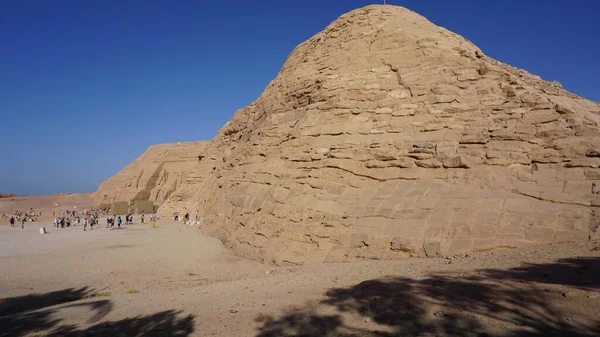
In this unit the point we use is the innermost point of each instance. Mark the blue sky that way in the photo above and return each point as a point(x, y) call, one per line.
point(87, 86)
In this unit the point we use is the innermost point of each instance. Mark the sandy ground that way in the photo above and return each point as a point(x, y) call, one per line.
point(175, 281)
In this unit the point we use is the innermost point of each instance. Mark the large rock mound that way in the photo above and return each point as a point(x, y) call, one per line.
point(385, 136)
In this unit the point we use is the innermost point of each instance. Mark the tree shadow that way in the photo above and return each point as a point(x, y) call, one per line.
point(36, 313)
point(506, 303)
point(165, 323)
point(24, 314)
point(582, 273)
point(15, 305)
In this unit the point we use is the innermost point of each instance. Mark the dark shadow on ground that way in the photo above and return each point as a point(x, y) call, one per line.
point(15, 305)
point(35, 314)
point(583, 273)
point(520, 302)
point(165, 323)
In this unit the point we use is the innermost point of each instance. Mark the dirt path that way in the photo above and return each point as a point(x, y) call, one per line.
point(174, 281)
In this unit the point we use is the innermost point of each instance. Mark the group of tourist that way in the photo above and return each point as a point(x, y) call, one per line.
point(143, 217)
point(22, 217)
point(69, 218)
point(186, 217)
point(73, 218)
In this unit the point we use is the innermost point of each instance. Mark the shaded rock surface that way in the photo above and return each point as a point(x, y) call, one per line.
point(385, 136)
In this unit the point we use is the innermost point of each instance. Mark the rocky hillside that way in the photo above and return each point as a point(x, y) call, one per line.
point(157, 174)
point(385, 136)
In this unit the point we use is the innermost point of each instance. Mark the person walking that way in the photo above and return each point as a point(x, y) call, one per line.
point(85, 222)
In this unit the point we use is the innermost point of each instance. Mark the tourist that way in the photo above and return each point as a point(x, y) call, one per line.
point(119, 221)
point(186, 218)
point(196, 215)
point(85, 222)
point(23, 224)
point(142, 217)
point(12, 221)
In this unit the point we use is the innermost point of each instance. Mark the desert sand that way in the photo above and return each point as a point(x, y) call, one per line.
point(175, 281)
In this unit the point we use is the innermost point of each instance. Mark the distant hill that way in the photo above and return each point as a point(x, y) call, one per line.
point(7, 195)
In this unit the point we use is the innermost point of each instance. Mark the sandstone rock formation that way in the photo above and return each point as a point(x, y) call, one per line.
point(385, 136)
point(157, 174)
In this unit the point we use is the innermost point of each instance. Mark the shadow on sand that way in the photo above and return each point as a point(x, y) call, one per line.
point(36, 314)
point(526, 302)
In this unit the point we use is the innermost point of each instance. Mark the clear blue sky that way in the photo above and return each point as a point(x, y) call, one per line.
point(87, 86)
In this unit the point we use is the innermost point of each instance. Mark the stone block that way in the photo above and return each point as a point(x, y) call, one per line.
point(570, 236)
point(427, 202)
point(482, 245)
point(509, 219)
point(509, 240)
point(465, 204)
point(514, 230)
point(456, 162)
point(456, 247)
point(385, 212)
point(463, 215)
point(359, 240)
point(379, 242)
point(542, 218)
point(336, 254)
point(592, 174)
point(459, 230)
point(490, 204)
point(539, 234)
point(441, 214)
point(407, 203)
point(486, 217)
point(437, 230)
point(483, 230)
point(335, 188)
point(419, 193)
point(517, 205)
point(404, 244)
point(402, 162)
point(432, 248)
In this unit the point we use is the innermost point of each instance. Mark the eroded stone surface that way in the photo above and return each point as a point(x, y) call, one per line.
point(165, 172)
point(385, 136)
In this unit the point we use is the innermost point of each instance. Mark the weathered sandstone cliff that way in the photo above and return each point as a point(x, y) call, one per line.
point(385, 136)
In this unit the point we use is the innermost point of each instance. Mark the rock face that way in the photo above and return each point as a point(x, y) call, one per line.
point(157, 174)
point(385, 136)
